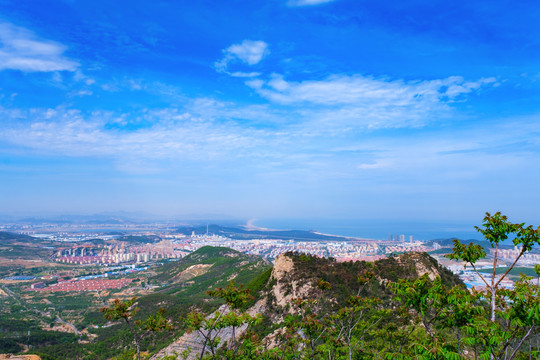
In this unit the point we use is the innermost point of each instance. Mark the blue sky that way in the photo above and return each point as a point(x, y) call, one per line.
point(265, 109)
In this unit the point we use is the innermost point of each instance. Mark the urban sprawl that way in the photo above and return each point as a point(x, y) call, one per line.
point(111, 251)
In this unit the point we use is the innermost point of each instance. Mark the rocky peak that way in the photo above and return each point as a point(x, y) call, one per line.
point(282, 266)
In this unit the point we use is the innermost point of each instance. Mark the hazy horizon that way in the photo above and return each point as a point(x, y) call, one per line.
point(289, 109)
point(378, 229)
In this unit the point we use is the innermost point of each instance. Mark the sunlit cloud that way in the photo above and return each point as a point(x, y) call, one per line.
point(340, 89)
point(165, 134)
point(363, 101)
point(20, 49)
point(204, 131)
point(307, 2)
point(248, 52)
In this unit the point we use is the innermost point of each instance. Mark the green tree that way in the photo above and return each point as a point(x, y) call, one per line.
point(229, 316)
point(426, 302)
point(512, 314)
point(126, 311)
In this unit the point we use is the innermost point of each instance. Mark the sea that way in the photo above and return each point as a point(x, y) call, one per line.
point(376, 229)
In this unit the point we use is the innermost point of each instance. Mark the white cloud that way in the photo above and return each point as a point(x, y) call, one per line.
point(21, 50)
point(194, 133)
point(244, 74)
point(364, 101)
point(375, 165)
point(82, 93)
point(314, 115)
point(248, 52)
point(223, 141)
point(79, 76)
point(342, 90)
point(307, 2)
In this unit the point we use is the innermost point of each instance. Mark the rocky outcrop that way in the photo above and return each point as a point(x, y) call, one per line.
point(287, 288)
point(420, 263)
point(191, 344)
point(282, 266)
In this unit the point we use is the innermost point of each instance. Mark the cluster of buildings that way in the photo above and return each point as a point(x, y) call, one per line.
point(178, 246)
point(174, 246)
point(407, 247)
point(119, 253)
point(400, 238)
point(527, 259)
point(367, 250)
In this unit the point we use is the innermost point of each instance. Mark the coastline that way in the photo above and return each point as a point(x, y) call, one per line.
point(367, 229)
point(250, 226)
point(346, 237)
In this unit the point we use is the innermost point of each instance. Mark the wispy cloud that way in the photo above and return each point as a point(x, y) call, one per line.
point(248, 52)
point(219, 147)
point(204, 131)
point(194, 133)
point(20, 49)
point(307, 2)
point(306, 118)
point(363, 101)
point(340, 89)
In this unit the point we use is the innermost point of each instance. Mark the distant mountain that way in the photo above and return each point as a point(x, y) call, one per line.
point(241, 234)
point(103, 218)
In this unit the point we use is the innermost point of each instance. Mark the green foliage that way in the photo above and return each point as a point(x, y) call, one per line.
point(234, 296)
point(470, 253)
point(229, 316)
point(126, 311)
point(422, 319)
point(353, 310)
point(224, 264)
point(10, 346)
point(498, 322)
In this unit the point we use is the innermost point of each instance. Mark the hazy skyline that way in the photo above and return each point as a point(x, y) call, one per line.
point(282, 108)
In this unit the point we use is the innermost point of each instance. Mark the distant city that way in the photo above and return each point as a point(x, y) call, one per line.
point(172, 245)
point(136, 245)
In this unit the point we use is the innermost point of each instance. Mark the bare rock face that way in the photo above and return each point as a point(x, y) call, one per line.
point(19, 357)
point(422, 269)
point(193, 271)
point(282, 266)
point(420, 265)
point(287, 288)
